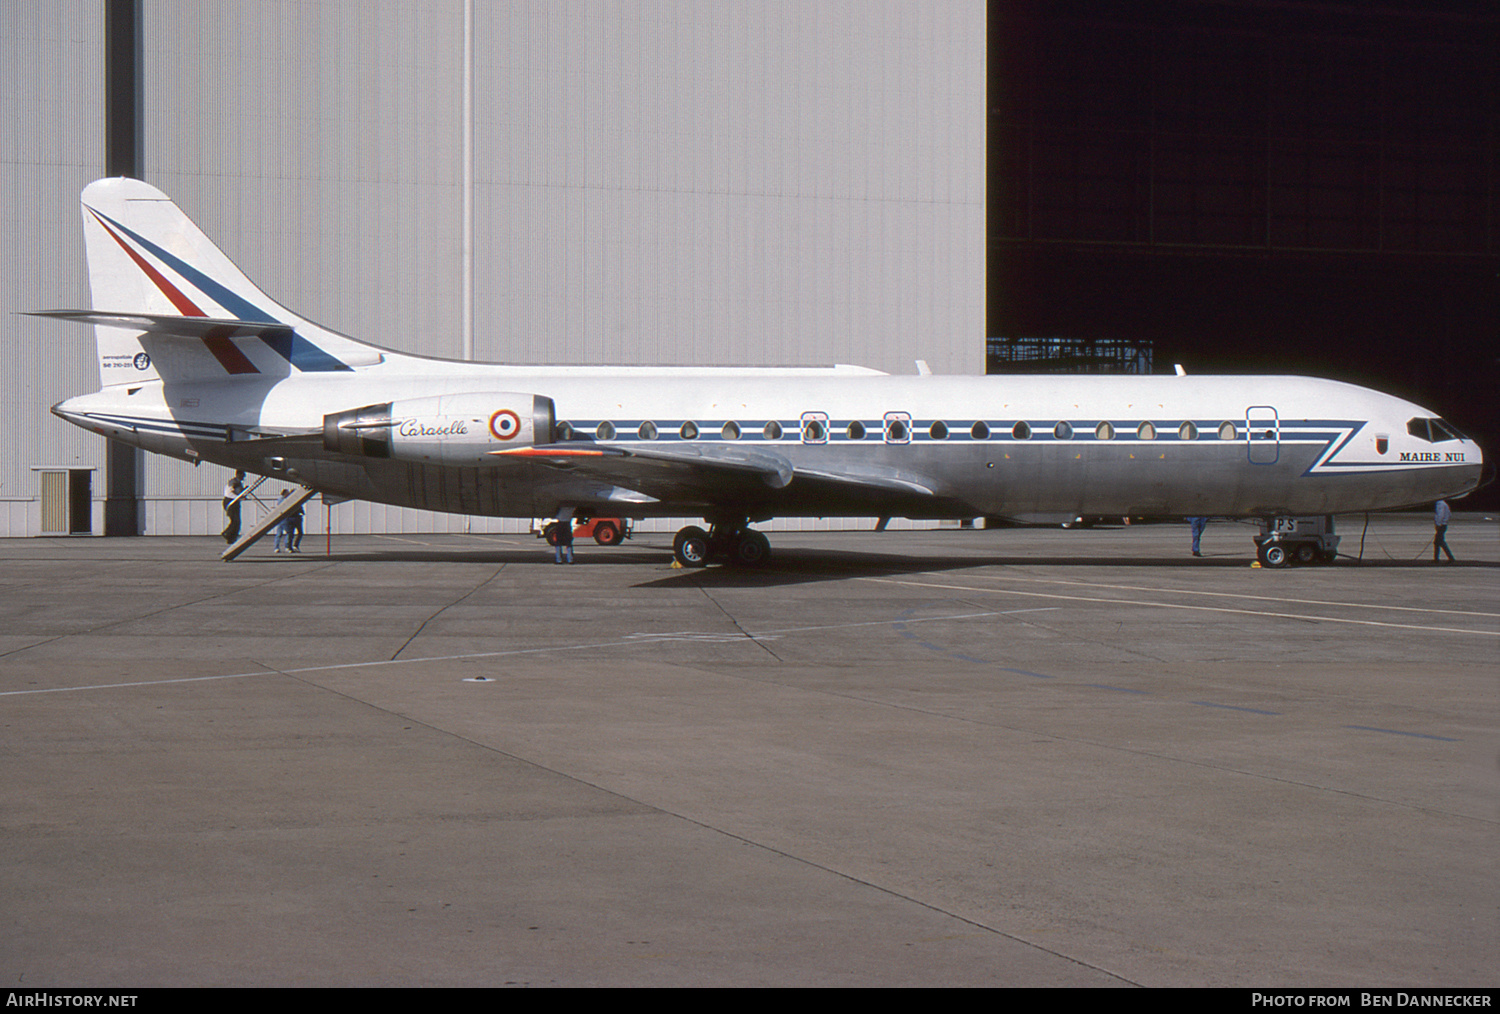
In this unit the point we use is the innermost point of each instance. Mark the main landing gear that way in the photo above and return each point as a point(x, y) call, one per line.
point(727, 542)
point(1302, 540)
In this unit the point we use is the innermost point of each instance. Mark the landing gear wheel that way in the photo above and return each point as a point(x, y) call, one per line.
point(751, 549)
point(1307, 553)
point(690, 547)
point(553, 534)
point(1274, 555)
point(606, 534)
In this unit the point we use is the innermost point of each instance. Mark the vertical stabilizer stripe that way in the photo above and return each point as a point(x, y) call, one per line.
point(296, 350)
point(220, 347)
point(235, 304)
point(185, 306)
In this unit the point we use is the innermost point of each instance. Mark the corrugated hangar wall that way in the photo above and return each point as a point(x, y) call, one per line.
point(51, 145)
point(677, 182)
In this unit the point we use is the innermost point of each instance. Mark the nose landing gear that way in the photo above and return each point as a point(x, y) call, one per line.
point(1302, 540)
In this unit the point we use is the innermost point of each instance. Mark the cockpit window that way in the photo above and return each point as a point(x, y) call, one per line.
point(1434, 431)
point(1442, 431)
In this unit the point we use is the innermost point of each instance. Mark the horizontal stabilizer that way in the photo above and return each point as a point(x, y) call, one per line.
point(166, 326)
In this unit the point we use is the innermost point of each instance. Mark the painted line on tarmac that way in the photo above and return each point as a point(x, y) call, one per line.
point(1238, 595)
point(1306, 617)
point(900, 622)
point(628, 641)
point(393, 538)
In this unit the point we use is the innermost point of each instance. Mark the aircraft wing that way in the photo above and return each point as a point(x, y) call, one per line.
point(164, 326)
point(691, 476)
point(713, 474)
point(869, 478)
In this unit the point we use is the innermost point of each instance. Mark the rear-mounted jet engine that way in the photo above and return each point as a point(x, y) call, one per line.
point(447, 429)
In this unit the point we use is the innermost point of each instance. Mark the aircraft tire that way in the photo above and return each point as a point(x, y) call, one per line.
point(690, 547)
point(1307, 553)
point(550, 534)
point(1274, 555)
point(751, 549)
point(606, 534)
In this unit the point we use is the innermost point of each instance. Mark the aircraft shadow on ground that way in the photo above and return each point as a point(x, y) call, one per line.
point(803, 565)
point(799, 566)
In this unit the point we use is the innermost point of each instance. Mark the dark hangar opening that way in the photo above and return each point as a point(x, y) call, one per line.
point(1259, 187)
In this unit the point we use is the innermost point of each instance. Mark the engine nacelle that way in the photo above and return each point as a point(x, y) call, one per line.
point(445, 429)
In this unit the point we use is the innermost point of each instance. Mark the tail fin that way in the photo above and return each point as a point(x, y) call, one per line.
point(149, 266)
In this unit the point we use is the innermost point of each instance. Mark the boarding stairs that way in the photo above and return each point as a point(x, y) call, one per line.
point(299, 496)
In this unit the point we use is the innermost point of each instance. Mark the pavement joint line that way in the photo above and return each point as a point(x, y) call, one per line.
point(423, 626)
point(751, 842)
point(735, 620)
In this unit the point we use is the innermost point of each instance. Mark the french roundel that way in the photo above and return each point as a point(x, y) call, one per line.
point(505, 424)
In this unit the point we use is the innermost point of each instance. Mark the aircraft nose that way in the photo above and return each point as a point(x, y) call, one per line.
point(1486, 468)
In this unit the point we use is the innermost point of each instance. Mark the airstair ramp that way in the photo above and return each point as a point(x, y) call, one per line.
point(270, 521)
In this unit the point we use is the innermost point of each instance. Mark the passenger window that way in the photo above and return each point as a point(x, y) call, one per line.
point(979, 431)
point(814, 428)
point(938, 430)
point(1062, 431)
point(647, 430)
point(772, 430)
point(856, 430)
point(1226, 431)
point(731, 431)
point(897, 428)
point(605, 431)
point(564, 431)
point(1104, 431)
point(1021, 431)
point(689, 431)
point(1146, 431)
point(1187, 431)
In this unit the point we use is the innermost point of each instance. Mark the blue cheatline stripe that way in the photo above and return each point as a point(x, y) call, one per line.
point(210, 430)
point(1402, 732)
point(1235, 707)
point(1321, 432)
point(295, 349)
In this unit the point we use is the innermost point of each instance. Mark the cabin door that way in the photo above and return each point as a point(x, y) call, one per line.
point(1263, 434)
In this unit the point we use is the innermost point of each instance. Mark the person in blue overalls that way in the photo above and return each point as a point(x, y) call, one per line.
point(563, 551)
point(1197, 525)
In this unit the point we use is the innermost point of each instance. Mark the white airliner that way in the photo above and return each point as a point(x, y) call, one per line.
point(197, 363)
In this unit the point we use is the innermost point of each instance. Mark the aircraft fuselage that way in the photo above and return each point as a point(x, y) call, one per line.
point(918, 446)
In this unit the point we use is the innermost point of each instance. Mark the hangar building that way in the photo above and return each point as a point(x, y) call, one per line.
point(624, 182)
